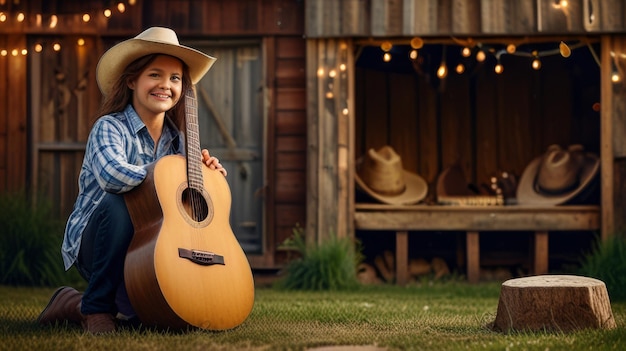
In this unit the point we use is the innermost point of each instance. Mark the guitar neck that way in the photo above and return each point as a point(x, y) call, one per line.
point(194, 154)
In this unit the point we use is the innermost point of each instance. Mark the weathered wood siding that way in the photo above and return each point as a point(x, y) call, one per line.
point(395, 18)
point(13, 115)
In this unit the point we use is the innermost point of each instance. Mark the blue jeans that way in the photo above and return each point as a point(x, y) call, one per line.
point(103, 248)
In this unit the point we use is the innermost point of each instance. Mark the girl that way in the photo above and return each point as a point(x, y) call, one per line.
point(143, 80)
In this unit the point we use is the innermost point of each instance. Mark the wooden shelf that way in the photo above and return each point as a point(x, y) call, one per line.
point(472, 220)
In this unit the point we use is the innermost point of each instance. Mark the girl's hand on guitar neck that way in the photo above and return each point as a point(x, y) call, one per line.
point(212, 162)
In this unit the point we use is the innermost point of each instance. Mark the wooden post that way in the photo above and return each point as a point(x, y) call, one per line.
point(402, 257)
point(473, 256)
point(540, 254)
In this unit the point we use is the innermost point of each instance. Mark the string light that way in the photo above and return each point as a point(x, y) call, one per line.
point(564, 50)
point(511, 48)
point(86, 17)
point(536, 64)
point(387, 57)
point(460, 68)
point(466, 52)
point(481, 56)
point(442, 71)
point(3, 17)
point(498, 68)
point(20, 17)
point(417, 43)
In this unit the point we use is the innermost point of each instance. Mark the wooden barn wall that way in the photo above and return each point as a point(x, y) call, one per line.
point(13, 116)
point(486, 122)
point(57, 91)
point(385, 18)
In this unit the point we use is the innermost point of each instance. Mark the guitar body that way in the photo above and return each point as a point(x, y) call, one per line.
point(167, 287)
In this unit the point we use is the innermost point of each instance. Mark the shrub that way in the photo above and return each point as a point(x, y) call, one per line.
point(607, 262)
point(30, 242)
point(331, 265)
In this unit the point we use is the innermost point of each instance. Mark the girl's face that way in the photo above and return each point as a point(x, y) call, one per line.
point(158, 88)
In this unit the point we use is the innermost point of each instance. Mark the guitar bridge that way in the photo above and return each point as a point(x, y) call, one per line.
point(204, 258)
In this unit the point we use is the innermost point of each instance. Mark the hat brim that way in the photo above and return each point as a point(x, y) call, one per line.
point(114, 61)
point(528, 195)
point(415, 191)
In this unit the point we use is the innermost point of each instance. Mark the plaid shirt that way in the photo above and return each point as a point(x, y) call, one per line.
point(118, 149)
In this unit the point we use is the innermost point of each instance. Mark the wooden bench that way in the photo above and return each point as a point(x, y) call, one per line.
point(472, 220)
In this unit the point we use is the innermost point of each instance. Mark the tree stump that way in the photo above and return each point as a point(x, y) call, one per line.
point(553, 303)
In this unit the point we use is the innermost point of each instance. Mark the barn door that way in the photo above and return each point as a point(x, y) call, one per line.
point(232, 128)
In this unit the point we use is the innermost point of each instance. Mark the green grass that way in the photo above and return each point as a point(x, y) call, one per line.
point(439, 316)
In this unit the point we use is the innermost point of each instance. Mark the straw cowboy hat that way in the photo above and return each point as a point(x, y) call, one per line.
point(558, 176)
point(155, 40)
point(380, 174)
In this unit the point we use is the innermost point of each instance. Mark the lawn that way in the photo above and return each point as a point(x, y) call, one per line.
point(426, 316)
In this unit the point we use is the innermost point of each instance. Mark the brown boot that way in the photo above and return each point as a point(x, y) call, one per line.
point(99, 323)
point(63, 306)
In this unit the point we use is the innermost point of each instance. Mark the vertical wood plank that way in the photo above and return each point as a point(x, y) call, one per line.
point(419, 17)
point(402, 257)
point(16, 117)
point(403, 119)
point(463, 14)
point(540, 253)
point(385, 17)
point(472, 240)
point(354, 18)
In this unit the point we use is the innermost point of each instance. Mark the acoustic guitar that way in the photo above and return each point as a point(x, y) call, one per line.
point(184, 265)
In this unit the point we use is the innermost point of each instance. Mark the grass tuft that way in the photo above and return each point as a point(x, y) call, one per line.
point(30, 242)
point(331, 265)
point(607, 262)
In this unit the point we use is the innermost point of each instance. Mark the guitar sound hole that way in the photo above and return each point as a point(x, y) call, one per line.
point(195, 204)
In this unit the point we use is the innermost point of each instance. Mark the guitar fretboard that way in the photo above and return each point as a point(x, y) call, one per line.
point(194, 155)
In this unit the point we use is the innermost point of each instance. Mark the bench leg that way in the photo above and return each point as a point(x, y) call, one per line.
point(473, 256)
point(402, 257)
point(540, 255)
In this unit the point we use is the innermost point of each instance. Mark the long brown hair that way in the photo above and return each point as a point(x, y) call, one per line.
point(121, 95)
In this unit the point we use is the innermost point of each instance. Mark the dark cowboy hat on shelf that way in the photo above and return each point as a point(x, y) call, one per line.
point(559, 176)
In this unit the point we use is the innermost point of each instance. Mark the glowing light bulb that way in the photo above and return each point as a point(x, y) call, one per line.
point(481, 56)
point(536, 64)
point(332, 73)
point(386, 46)
point(121, 7)
point(615, 78)
point(80, 42)
point(320, 72)
point(38, 48)
point(442, 71)
point(564, 50)
point(53, 21)
point(86, 18)
point(3, 52)
point(460, 68)
point(107, 13)
point(56, 47)
point(14, 52)
point(413, 54)
point(511, 48)
point(499, 68)
point(387, 57)
point(20, 17)
point(466, 52)
point(417, 43)
point(3, 17)
point(24, 52)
